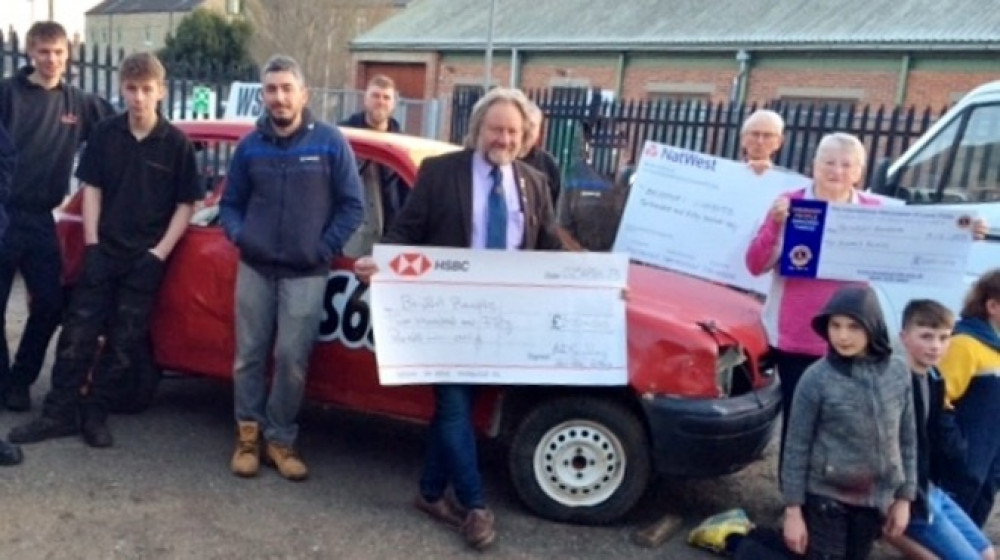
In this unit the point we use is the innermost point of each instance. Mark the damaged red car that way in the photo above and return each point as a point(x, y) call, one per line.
point(701, 398)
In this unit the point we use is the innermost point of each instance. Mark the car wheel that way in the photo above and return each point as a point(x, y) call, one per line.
point(580, 459)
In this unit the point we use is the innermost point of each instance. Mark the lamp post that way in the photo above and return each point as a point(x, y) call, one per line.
point(489, 48)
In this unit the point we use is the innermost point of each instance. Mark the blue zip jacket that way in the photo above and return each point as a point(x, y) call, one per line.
point(291, 202)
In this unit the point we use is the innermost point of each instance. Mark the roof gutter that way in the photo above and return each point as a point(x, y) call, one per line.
point(679, 47)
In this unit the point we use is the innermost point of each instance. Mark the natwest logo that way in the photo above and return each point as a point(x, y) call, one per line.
point(651, 150)
point(410, 264)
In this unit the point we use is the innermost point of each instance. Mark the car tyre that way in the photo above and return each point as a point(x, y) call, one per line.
point(580, 460)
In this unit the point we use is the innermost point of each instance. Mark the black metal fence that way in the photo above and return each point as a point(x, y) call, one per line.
point(617, 129)
point(96, 70)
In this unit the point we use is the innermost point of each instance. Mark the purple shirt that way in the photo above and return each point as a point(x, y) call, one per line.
point(481, 185)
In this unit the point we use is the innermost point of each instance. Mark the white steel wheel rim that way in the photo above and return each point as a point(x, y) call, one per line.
point(579, 463)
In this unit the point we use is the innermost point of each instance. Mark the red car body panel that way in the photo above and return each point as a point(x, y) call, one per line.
point(676, 324)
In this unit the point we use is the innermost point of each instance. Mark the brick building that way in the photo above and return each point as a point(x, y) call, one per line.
point(315, 32)
point(143, 25)
point(905, 52)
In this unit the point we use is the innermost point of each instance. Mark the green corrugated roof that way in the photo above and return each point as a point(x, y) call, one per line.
point(686, 24)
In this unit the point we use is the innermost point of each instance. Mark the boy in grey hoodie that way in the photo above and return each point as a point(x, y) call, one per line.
point(849, 466)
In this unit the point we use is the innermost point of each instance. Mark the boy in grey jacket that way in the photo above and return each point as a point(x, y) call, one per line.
point(850, 453)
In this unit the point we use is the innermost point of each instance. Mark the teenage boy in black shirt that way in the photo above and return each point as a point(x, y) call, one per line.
point(140, 185)
point(47, 119)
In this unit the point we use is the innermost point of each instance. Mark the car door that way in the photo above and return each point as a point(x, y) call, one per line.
point(959, 167)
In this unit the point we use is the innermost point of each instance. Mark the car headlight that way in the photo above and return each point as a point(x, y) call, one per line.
point(730, 361)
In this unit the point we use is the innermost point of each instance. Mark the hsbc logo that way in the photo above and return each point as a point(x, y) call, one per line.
point(410, 264)
point(416, 264)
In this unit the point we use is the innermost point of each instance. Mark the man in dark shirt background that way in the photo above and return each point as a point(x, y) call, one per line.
point(591, 204)
point(384, 191)
point(380, 102)
point(537, 157)
point(47, 119)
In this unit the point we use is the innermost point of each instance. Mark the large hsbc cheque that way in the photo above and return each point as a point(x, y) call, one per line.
point(696, 213)
point(498, 317)
point(898, 244)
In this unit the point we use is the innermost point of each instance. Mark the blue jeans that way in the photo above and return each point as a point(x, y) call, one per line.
point(293, 306)
point(30, 245)
point(949, 533)
point(451, 448)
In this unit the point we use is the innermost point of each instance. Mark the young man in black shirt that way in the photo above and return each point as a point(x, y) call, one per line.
point(140, 185)
point(47, 119)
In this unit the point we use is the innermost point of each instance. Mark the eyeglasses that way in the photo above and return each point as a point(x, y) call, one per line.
point(761, 134)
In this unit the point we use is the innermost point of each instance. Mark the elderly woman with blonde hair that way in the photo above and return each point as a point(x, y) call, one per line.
point(838, 168)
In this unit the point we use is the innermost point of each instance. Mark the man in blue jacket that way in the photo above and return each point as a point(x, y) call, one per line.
point(292, 200)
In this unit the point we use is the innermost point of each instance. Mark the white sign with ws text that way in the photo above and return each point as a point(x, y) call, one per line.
point(696, 214)
point(499, 317)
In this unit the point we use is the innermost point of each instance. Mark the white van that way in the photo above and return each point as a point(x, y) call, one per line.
point(954, 164)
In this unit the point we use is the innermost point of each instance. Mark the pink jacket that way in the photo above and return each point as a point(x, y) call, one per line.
point(791, 302)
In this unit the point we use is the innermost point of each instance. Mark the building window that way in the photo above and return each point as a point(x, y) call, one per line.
point(678, 97)
point(234, 7)
point(148, 37)
point(674, 92)
point(830, 103)
point(831, 98)
point(104, 37)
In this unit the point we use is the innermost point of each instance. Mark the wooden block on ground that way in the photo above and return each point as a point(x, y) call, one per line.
point(658, 532)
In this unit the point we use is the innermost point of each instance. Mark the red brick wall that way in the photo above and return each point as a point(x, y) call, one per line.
point(878, 87)
point(450, 74)
point(935, 89)
point(637, 79)
point(541, 76)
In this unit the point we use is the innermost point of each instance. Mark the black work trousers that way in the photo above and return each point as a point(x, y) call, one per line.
point(114, 298)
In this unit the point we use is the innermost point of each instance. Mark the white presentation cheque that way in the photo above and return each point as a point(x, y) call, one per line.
point(499, 317)
point(897, 244)
point(696, 213)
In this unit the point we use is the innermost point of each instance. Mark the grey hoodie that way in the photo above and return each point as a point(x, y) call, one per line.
point(851, 434)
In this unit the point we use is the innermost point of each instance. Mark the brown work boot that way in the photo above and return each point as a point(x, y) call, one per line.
point(478, 528)
point(288, 463)
point(442, 510)
point(246, 458)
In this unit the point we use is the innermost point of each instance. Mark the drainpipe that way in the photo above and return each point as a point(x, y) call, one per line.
point(515, 67)
point(488, 64)
point(620, 75)
point(739, 93)
point(901, 81)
